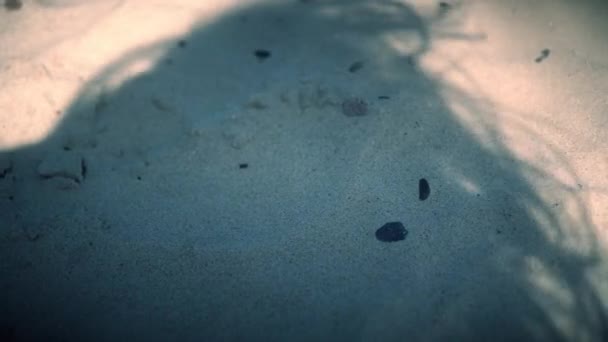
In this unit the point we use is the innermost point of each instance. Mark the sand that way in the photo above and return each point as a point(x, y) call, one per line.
point(222, 170)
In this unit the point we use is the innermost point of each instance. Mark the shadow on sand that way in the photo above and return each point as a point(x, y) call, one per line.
point(214, 189)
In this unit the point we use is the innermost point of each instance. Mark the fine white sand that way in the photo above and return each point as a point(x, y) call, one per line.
point(217, 170)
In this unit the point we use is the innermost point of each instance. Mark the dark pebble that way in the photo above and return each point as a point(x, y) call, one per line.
point(243, 166)
point(384, 97)
point(261, 54)
point(83, 168)
point(444, 5)
point(356, 66)
point(13, 5)
point(543, 55)
point(182, 43)
point(5, 172)
point(391, 232)
point(424, 189)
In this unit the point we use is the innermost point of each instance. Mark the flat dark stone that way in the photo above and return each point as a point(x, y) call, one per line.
point(424, 189)
point(356, 66)
point(4, 171)
point(13, 5)
point(261, 54)
point(391, 232)
point(544, 54)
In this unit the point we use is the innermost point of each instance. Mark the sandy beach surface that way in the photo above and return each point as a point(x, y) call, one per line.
point(303, 170)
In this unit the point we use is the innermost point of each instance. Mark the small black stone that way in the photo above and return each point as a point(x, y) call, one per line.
point(384, 97)
point(391, 232)
point(83, 168)
point(544, 54)
point(138, 177)
point(5, 172)
point(444, 5)
point(261, 54)
point(182, 43)
point(424, 189)
point(356, 66)
point(13, 5)
point(243, 166)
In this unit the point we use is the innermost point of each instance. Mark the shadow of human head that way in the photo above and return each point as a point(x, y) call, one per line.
point(228, 185)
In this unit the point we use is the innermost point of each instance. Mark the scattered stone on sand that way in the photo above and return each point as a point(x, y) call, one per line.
point(354, 106)
point(424, 189)
point(384, 97)
point(243, 166)
point(391, 232)
point(66, 165)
